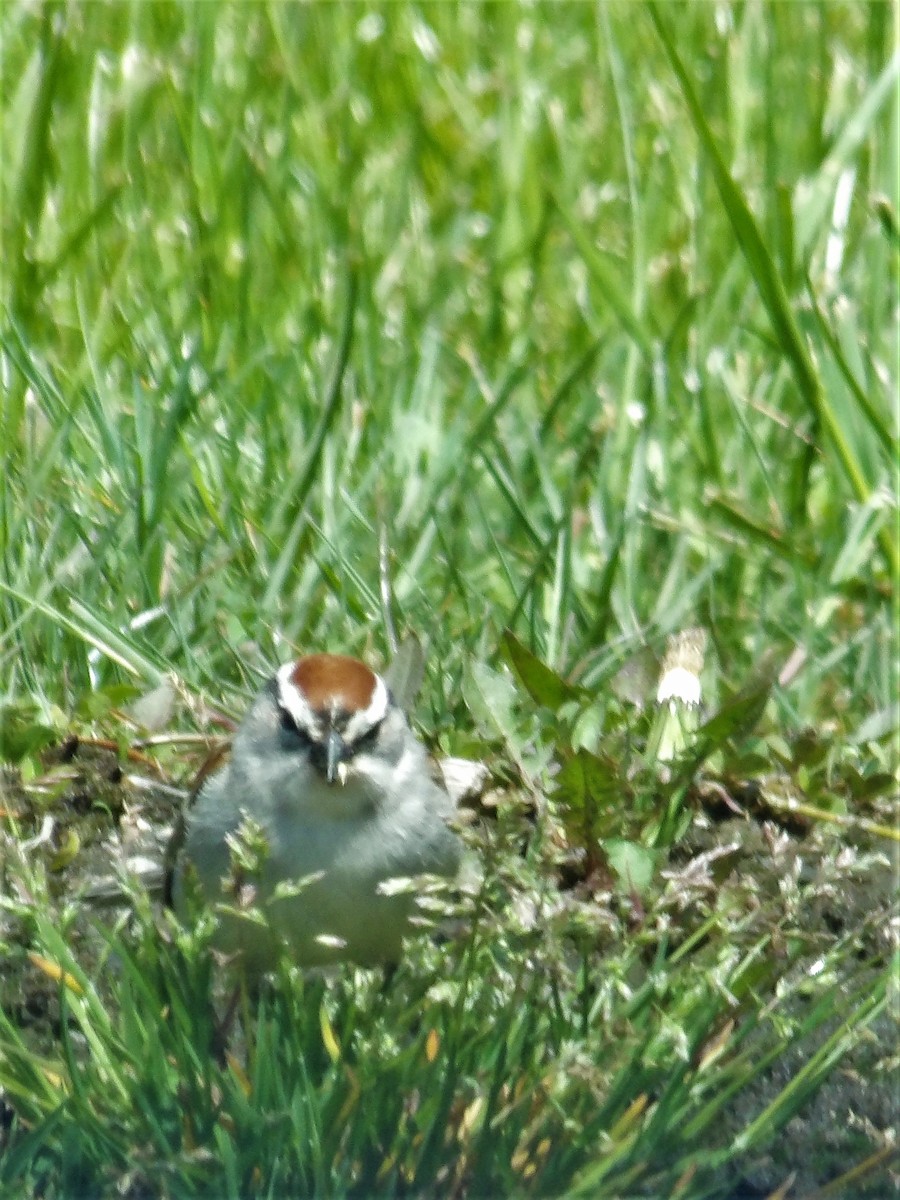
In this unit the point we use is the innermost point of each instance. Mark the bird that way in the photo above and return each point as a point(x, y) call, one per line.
point(327, 798)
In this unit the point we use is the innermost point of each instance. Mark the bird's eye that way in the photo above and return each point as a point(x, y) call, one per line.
point(367, 740)
point(289, 725)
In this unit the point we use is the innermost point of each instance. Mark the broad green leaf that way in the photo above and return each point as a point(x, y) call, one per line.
point(542, 684)
point(634, 865)
point(591, 794)
point(739, 715)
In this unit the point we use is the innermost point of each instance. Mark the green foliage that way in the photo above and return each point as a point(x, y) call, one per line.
point(409, 282)
point(516, 1072)
point(540, 331)
point(21, 732)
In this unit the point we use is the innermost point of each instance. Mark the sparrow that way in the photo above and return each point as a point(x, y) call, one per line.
point(327, 797)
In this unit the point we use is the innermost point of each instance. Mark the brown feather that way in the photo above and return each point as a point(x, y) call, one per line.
point(333, 681)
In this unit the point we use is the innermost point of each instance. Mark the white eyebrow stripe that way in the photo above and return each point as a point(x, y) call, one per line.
point(295, 704)
point(359, 724)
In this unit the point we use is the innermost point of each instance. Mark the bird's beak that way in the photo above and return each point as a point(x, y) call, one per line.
point(335, 767)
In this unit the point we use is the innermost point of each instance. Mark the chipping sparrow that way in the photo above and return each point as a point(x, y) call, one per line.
point(325, 767)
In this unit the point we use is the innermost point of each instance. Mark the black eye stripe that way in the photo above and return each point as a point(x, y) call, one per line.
point(368, 738)
point(289, 725)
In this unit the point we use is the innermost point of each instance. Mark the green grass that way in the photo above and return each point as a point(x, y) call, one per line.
point(544, 332)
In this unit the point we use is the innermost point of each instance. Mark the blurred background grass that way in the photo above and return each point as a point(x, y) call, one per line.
point(559, 391)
